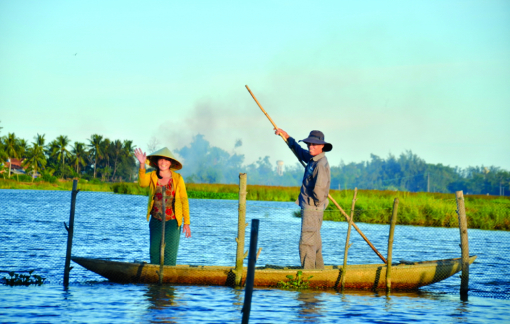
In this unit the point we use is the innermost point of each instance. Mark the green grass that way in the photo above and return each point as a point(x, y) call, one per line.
point(59, 185)
point(372, 206)
point(422, 209)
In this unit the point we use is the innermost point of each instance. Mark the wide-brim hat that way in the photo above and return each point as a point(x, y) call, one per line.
point(317, 137)
point(152, 159)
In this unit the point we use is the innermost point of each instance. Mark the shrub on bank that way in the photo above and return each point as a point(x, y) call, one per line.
point(129, 189)
point(49, 178)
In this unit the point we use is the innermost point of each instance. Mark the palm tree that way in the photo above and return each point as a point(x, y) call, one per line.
point(128, 148)
point(79, 156)
point(39, 139)
point(3, 157)
point(23, 147)
point(106, 144)
point(49, 170)
point(105, 172)
point(3, 153)
point(96, 149)
point(117, 151)
point(52, 152)
point(128, 155)
point(35, 159)
point(62, 142)
point(11, 148)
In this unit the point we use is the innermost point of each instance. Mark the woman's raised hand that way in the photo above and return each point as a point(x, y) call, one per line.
point(140, 156)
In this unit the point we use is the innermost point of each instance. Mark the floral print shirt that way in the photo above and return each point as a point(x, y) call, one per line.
point(157, 208)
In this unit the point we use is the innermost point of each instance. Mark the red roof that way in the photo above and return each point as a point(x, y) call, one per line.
point(16, 164)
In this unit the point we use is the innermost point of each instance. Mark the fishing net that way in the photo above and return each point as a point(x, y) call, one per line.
point(113, 229)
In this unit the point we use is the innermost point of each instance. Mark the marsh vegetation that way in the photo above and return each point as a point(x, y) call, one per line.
point(372, 206)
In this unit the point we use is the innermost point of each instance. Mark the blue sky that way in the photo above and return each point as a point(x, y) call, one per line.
point(376, 77)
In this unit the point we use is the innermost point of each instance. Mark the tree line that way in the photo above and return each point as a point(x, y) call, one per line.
point(98, 158)
point(107, 160)
point(407, 172)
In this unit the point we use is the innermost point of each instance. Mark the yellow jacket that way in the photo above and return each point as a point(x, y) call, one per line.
point(181, 205)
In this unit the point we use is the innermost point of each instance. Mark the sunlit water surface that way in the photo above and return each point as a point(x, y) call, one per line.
point(116, 303)
point(32, 236)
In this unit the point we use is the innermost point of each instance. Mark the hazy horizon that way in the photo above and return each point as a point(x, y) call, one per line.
point(377, 78)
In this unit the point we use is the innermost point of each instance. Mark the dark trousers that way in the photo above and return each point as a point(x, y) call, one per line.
point(172, 237)
point(310, 242)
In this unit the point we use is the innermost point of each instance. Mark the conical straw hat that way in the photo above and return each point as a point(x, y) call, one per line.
point(152, 159)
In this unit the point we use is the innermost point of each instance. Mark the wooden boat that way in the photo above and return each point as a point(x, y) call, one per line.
point(404, 275)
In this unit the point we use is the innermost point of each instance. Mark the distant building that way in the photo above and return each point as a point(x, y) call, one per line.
point(279, 167)
point(15, 165)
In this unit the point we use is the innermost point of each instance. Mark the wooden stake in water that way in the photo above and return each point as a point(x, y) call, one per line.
point(393, 222)
point(347, 245)
point(241, 229)
point(250, 276)
point(464, 244)
point(70, 231)
point(162, 247)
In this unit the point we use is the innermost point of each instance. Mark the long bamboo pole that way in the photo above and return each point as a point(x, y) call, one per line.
point(347, 245)
point(329, 196)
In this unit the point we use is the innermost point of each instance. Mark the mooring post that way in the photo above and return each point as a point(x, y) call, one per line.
point(393, 222)
point(241, 229)
point(162, 246)
point(347, 245)
point(250, 276)
point(464, 245)
point(70, 231)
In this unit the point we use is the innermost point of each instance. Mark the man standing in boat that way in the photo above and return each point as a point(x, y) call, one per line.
point(313, 198)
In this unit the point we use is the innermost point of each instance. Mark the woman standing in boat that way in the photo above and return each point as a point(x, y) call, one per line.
point(164, 179)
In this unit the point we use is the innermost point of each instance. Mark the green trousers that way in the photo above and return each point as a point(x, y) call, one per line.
point(172, 236)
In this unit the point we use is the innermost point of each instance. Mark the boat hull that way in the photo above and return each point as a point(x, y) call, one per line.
point(404, 276)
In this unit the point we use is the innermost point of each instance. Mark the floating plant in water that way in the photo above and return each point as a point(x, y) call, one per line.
point(295, 283)
point(16, 279)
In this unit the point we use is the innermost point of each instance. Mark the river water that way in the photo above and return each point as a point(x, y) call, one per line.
point(33, 237)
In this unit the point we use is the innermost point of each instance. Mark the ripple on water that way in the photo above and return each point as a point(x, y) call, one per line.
point(116, 303)
point(91, 299)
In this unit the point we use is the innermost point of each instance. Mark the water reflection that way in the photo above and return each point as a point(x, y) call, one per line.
point(120, 303)
point(310, 306)
point(238, 298)
point(460, 312)
point(160, 297)
point(387, 304)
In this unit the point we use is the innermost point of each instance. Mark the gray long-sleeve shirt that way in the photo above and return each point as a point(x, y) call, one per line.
point(316, 180)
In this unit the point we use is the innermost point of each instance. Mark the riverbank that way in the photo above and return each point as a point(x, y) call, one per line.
point(372, 206)
point(57, 185)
